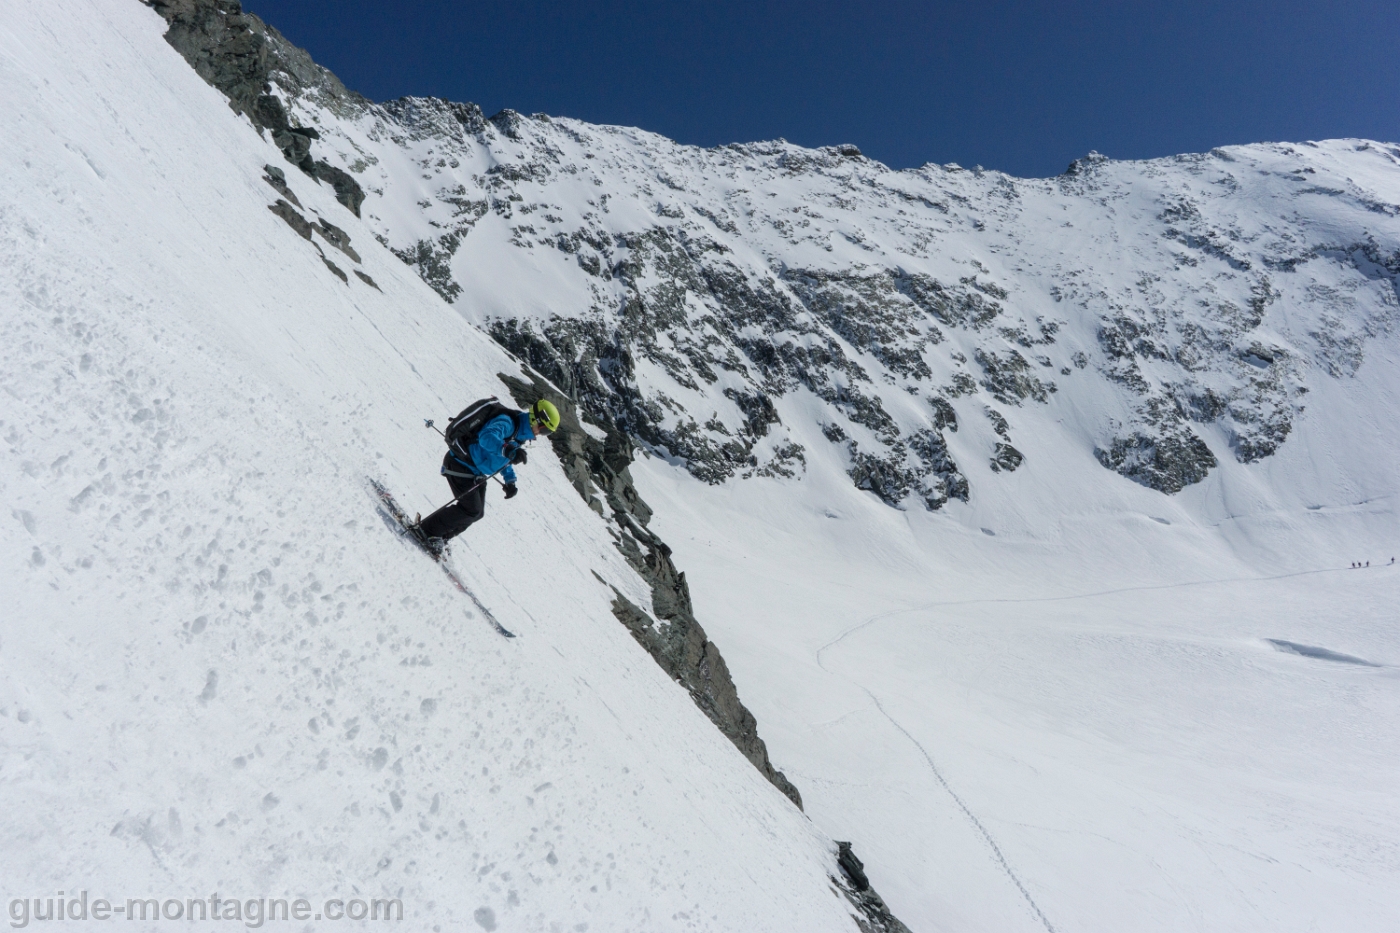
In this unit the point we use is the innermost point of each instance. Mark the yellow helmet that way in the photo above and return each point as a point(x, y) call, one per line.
point(544, 415)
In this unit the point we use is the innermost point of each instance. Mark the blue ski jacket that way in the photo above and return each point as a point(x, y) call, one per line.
point(496, 441)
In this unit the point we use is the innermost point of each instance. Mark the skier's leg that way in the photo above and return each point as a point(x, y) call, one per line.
point(452, 519)
point(473, 505)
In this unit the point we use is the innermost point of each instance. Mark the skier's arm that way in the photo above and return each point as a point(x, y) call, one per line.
point(490, 443)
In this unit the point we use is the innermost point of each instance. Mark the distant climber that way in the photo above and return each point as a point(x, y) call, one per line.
point(485, 439)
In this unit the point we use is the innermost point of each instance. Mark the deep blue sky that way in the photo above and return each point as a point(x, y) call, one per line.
point(1021, 87)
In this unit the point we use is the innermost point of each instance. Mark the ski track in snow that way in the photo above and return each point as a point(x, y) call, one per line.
point(983, 832)
point(977, 824)
point(825, 658)
point(972, 817)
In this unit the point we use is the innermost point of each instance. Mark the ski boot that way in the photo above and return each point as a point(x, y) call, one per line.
point(435, 547)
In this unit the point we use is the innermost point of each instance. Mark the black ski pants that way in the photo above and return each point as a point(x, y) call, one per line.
point(456, 517)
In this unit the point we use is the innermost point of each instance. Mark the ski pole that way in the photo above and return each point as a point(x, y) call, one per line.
point(476, 485)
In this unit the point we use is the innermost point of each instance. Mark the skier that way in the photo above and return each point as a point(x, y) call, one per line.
point(485, 439)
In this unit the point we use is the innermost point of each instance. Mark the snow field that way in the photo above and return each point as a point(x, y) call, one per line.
point(1081, 720)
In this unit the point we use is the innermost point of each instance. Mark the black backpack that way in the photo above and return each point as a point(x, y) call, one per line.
point(462, 430)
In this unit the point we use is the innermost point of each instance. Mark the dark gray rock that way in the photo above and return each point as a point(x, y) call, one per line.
point(873, 314)
point(943, 415)
point(347, 189)
point(670, 633)
point(434, 116)
point(433, 260)
point(1005, 457)
point(366, 279)
point(237, 53)
point(269, 113)
point(875, 916)
point(999, 425)
point(336, 237)
point(853, 867)
point(293, 218)
point(508, 122)
point(336, 270)
point(1009, 378)
point(885, 476)
point(295, 147)
point(278, 180)
point(919, 465)
point(1167, 462)
point(222, 44)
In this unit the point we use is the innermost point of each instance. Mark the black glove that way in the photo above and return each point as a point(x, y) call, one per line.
point(511, 489)
point(519, 457)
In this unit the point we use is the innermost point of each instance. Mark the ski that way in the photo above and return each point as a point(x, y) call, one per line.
point(399, 521)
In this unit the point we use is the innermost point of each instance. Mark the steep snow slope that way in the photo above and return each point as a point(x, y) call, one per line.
point(221, 673)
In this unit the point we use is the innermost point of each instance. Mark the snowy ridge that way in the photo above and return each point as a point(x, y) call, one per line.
point(221, 672)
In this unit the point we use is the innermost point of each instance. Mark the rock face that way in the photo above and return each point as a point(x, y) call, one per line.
point(736, 308)
point(706, 303)
point(305, 229)
point(857, 890)
point(670, 633)
point(236, 52)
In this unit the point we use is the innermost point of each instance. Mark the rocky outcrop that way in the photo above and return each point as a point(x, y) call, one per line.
point(236, 53)
point(224, 45)
point(293, 218)
point(669, 632)
point(277, 178)
point(855, 887)
point(1167, 461)
point(762, 336)
point(304, 228)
